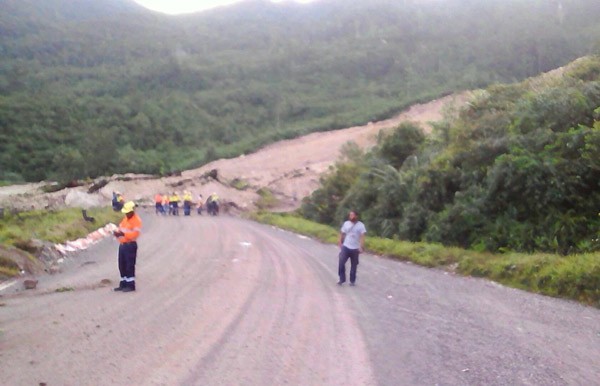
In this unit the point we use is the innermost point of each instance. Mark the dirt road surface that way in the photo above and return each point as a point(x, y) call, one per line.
point(224, 301)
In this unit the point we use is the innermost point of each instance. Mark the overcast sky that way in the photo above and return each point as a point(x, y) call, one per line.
point(187, 6)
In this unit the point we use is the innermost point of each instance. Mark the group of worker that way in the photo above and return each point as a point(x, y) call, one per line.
point(166, 204)
point(130, 227)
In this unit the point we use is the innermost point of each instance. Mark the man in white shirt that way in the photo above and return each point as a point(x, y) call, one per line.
point(351, 243)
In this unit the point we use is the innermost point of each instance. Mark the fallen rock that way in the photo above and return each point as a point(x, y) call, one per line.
point(30, 283)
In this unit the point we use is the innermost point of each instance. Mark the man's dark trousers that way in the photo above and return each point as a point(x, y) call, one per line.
point(346, 254)
point(127, 255)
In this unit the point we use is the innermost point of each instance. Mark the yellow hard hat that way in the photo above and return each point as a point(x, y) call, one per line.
point(128, 207)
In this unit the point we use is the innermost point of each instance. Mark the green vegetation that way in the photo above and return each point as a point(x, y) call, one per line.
point(267, 199)
point(91, 88)
point(299, 225)
point(239, 184)
point(55, 226)
point(8, 268)
point(518, 170)
point(17, 230)
point(574, 277)
point(65, 289)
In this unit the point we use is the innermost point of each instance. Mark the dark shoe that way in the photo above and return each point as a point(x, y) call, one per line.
point(340, 282)
point(118, 289)
point(352, 284)
point(128, 289)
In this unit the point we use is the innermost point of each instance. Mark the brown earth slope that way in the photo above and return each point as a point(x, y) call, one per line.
point(290, 169)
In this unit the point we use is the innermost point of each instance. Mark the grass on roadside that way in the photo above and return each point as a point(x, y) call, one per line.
point(298, 224)
point(54, 226)
point(574, 277)
point(8, 268)
point(267, 199)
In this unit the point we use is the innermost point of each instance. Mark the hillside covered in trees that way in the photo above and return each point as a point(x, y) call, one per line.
point(519, 170)
point(93, 87)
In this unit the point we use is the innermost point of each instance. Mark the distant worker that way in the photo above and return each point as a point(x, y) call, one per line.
point(212, 204)
point(166, 204)
point(187, 203)
point(351, 243)
point(200, 204)
point(158, 204)
point(174, 200)
point(117, 201)
point(127, 234)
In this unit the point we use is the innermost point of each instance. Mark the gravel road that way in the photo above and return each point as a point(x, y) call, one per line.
point(224, 301)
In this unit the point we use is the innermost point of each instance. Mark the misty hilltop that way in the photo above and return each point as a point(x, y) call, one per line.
point(91, 87)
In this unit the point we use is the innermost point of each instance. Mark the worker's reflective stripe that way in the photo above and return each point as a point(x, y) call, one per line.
point(130, 230)
point(129, 279)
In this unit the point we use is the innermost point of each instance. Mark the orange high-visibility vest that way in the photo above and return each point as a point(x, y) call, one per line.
point(131, 227)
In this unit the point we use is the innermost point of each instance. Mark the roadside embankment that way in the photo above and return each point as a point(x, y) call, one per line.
point(30, 242)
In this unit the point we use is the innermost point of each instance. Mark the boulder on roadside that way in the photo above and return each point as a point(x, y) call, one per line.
point(30, 283)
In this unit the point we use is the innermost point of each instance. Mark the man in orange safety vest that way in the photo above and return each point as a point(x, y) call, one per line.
point(127, 234)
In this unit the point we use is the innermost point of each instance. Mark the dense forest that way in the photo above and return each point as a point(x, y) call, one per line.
point(519, 170)
point(94, 87)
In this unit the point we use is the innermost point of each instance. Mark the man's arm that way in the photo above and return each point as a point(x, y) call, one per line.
point(341, 240)
point(362, 242)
